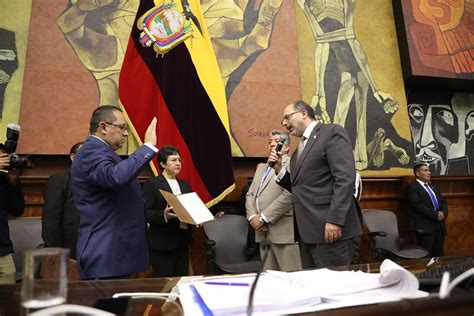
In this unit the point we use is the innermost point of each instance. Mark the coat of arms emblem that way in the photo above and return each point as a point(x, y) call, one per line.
point(164, 27)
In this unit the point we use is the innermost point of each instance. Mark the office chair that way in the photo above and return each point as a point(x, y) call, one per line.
point(384, 239)
point(25, 234)
point(226, 249)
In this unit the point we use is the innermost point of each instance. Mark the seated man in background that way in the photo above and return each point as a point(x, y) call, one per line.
point(270, 212)
point(428, 211)
point(60, 221)
point(13, 203)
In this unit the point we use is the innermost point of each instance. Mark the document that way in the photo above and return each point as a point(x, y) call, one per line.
point(298, 292)
point(188, 207)
point(230, 295)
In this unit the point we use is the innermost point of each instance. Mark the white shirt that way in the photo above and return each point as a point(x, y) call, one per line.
point(174, 185)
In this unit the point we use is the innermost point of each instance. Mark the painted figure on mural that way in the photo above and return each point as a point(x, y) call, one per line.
point(442, 32)
point(8, 62)
point(442, 127)
point(98, 31)
point(240, 31)
point(332, 24)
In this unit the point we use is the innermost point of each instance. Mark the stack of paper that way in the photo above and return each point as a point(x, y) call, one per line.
point(298, 292)
point(230, 295)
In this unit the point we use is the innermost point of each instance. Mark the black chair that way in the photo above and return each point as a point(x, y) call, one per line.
point(384, 238)
point(226, 249)
point(25, 234)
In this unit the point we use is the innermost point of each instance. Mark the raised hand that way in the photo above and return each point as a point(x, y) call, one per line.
point(150, 134)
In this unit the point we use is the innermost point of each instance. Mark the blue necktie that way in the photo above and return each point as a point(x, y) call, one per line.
point(265, 174)
point(432, 196)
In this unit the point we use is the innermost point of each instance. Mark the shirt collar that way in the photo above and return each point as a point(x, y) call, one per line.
point(309, 129)
point(421, 182)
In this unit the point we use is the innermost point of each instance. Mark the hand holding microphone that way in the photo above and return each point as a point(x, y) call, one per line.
point(274, 159)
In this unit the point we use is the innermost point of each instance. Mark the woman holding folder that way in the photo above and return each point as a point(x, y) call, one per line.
point(169, 238)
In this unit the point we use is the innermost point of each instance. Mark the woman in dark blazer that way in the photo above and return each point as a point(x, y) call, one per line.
point(169, 238)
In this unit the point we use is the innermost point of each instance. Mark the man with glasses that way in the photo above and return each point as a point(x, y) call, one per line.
point(112, 241)
point(321, 178)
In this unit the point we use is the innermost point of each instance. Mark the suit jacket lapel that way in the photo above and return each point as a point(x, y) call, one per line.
point(426, 195)
point(164, 183)
point(309, 144)
point(267, 179)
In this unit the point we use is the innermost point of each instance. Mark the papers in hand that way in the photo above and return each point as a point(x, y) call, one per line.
point(188, 207)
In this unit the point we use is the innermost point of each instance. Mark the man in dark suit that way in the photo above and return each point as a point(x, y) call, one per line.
point(60, 220)
point(428, 211)
point(321, 179)
point(112, 241)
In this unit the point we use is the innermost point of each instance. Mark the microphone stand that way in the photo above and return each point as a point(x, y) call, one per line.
point(265, 245)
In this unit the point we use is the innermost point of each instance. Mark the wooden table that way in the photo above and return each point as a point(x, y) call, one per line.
point(461, 302)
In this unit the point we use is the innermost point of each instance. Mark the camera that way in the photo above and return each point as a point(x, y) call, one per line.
point(16, 161)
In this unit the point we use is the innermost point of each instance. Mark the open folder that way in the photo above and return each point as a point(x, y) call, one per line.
point(188, 207)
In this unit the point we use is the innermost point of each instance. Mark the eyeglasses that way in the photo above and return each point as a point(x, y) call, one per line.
point(175, 160)
point(287, 116)
point(123, 127)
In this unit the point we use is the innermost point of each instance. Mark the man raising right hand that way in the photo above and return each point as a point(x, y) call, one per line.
point(112, 241)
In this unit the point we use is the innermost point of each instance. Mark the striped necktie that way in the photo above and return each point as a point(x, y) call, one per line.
point(265, 174)
point(300, 148)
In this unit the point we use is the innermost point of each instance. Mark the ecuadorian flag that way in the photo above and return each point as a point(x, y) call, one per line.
point(184, 90)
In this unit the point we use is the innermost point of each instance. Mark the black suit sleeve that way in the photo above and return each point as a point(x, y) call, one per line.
point(16, 201)
point(442, 203)
point(155, 203)
point(285, 182)
point(54, 200)
point(415, 200)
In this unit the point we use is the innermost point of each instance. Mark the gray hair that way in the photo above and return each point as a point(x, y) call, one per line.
point(283, 134)
point(303, 106)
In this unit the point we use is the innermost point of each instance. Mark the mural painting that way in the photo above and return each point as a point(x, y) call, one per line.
point(346, 92)
point(442, 126)
point(99, 35)
point(8, 62)
point(270, 53)
point(14, 22)
point(440, 37)
point(254, 42)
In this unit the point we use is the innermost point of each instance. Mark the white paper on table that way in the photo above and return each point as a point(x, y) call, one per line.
point(336, 289)
point(393, 280)
point(271, 295)
point(186, 296)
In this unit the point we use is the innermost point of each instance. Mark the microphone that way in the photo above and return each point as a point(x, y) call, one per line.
point(278, 147)
point(265, 245)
